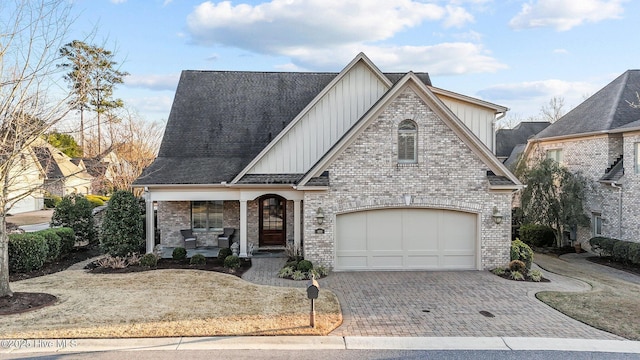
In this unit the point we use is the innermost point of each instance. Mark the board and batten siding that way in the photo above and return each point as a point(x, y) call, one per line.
point(477, 118)
point(324, 124)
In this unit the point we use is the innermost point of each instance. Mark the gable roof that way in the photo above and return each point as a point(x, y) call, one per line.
point(500, 176)
point(604, 111)
point(221, 120)
point(508, 139)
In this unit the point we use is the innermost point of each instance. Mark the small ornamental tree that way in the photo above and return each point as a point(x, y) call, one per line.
point(554, 197)
point(121, 228)
point(75, 211)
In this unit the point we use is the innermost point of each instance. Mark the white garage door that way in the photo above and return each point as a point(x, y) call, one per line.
point(397, 239)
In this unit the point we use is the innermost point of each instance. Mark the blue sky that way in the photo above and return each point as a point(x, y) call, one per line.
point(518, 54)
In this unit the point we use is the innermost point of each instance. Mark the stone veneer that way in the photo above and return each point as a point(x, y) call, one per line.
point(592, 156)
point(448, 175)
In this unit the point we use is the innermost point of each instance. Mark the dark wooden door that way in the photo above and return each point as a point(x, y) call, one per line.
point(273, 215)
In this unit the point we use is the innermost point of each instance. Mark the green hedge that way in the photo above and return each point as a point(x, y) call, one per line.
point(621, 251)
point(537, 235)
point(27, 252)
point(67, 239)
point(54, 243)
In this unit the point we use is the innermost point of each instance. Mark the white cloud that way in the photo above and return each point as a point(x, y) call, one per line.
point(561, 51)
point(565, 14)
point(441, 59)
point(153, 82)
point(153, 107)
point(281, 24)
point(118, 1)
point(526, 98)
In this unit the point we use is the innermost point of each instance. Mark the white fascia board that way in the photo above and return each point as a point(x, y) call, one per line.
point(497, 108)
point(359, 58)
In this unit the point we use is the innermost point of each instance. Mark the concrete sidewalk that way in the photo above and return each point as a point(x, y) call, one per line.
point(317, 343)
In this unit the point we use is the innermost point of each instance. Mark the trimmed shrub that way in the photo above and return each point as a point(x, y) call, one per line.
point(54, 243)
point(521, 251)
point(223, 253)
point(67, 239)
point(121, 228)
point(95, 200)
point(198, 259)
point(304, 265)
point(634, 253)
point(603, 245)
point(74, 211)
point(149, 260)
point(179, 253)
point(517, 265)
point(232, 262)
point(27, 252)
point(51, 201)
point(537, 235)
point(620, 251)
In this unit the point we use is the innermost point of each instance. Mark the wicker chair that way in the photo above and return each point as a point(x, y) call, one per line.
point(226, 238)
point(189, 239)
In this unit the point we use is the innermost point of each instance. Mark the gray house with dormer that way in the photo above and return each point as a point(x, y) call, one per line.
point(358, 170)
point(601, 138)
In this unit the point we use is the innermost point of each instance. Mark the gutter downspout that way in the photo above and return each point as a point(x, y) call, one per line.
point(493, 125)
point(613, 185)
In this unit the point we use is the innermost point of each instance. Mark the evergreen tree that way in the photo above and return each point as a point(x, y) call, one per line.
point(122, 231)
point(76, 212)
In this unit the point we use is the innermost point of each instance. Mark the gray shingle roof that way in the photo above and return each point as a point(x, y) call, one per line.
point(221, 120)
point(507, 139)
point(606, 110)
point(615, 172)
point(497, 180)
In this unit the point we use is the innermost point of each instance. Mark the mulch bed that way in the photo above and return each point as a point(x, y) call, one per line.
point(22, 302)
point(526, 279)
point(213, 264)
point(608, 261)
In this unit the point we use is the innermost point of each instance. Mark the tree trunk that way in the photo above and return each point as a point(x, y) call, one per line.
point(5, 290)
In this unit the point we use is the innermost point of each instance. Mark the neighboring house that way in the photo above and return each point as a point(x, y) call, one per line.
point(103, 169)
point(601, 139)
point(360, 170)
point(62, 176)
point(510, 143)
point(25, 184)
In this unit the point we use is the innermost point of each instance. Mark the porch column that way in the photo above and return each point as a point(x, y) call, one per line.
point(243, 228)
point(296, 224)
point(151, 239)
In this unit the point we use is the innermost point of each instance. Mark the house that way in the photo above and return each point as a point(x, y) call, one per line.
point(104, 170)
point(359, 170)
point(510, 143)
point(43, 169)
point(601, 138)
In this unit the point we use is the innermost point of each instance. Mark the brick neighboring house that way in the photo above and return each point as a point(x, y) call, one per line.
point(601, 138)
point(510, 143)
point(360, 170)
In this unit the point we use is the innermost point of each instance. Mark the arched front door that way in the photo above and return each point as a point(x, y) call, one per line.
point(273, 224)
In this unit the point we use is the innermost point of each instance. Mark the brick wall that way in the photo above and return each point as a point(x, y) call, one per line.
point(448, 175)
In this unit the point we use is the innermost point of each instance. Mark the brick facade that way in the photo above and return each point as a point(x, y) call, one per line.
point(592, 156)
point(448, 175)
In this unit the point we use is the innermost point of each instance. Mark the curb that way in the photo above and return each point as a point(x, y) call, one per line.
point(16, 346)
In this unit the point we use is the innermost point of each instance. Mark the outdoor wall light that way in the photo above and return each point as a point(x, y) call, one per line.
point(496, 216)
point(319, 216)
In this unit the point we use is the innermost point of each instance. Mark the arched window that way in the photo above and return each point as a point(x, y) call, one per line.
point(407, 142)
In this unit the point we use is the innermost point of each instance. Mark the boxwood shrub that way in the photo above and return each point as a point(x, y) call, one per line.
point(634, 253)
point(620, 251)
point(67, 239)
point(198, 259)
point(27, 252)
point(537, 235)
point(603, 245)
point(54, 244)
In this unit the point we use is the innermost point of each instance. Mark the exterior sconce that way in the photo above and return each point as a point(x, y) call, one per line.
point(497, 218)
point(319, 216)
point(407, 199)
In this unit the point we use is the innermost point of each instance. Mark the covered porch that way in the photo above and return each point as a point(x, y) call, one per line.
point(265, 218)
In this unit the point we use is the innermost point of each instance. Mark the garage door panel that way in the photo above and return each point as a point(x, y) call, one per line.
point(396, 239)
point(382, 231)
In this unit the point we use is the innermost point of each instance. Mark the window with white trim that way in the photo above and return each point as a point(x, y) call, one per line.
point(206, 215)
point(596, 223)
point(407, 142)
point(555, 154)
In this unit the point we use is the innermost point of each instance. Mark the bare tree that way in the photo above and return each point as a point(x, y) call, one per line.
point(31, 32)
point(553, 110)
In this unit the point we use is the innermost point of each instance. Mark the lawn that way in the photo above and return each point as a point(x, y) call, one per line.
point(164, 303)
point(612, 305)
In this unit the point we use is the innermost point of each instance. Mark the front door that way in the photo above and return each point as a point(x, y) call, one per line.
point(273, 214)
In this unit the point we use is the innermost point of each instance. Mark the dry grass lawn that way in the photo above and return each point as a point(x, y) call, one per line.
point(163, 303)
point(613, 305)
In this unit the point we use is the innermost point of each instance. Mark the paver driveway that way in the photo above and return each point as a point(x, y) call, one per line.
point(423, 303)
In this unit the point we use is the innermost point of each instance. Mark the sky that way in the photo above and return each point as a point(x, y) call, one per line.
point(518, 54)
